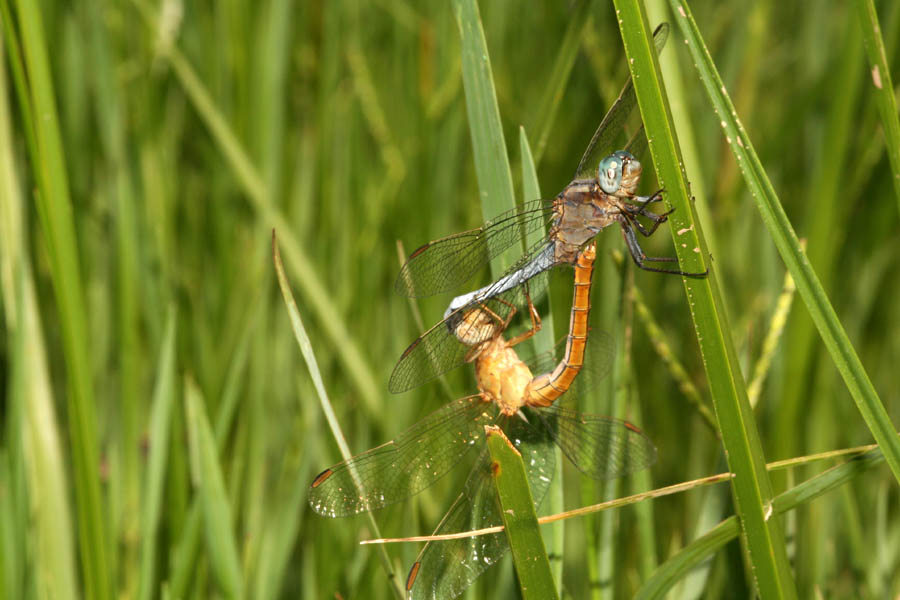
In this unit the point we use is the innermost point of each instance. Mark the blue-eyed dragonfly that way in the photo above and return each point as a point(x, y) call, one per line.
point(602, 193)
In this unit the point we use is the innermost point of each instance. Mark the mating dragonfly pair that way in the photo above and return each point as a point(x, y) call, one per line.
point(526, 399)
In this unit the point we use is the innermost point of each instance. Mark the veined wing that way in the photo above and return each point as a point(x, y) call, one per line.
point(444, 569)
point(405, 466)
point(599, 355)
point(440, 349)
point(604, 140)
point(444, 264)
point(600, 447)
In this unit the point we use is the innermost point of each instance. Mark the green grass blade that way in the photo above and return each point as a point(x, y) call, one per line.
point(55, 211)
point(488, 143)
point(751, 485)
point(184, 563)
point(700, 549)
point(884, 89)
point(221, 546)
point(310, 358)
point(160, 426)
point(543, 341)
point(519, 518)
point(808, 285)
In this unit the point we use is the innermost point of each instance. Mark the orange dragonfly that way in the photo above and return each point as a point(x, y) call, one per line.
point(603, 193)
point(601, 447)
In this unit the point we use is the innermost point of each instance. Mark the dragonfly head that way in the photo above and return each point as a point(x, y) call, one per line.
point(618, 174)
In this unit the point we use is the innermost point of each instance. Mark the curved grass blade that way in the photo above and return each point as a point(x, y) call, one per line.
point(519, 518)
point(808, 285)
point(310, 358)
point(884, 89)
point(751, 486)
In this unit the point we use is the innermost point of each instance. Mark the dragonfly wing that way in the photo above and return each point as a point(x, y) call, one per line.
point(405, 466)
point(600, 447)
point(599, 354)
point(603, 142)
point(444, 264)
point(439, 349)
point(637, 145)
point(444, 569)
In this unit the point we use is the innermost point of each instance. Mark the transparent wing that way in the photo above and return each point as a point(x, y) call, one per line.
point(405, 466)
point(444, 569)
point(603, 142)
point(599, 355)
point(600, 447)
point(444, 264)
point(439, 349)
point(637, 145)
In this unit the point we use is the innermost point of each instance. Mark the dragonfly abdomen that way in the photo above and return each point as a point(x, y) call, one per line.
point(545, 389)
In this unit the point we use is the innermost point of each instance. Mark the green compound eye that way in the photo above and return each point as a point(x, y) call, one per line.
point(609, 172)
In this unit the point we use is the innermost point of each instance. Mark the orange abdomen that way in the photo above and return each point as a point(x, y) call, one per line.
point(544, 389)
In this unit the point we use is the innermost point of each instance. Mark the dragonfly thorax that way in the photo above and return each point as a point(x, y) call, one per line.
point(582, 210)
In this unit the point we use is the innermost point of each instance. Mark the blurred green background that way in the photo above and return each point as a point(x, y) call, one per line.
point(189, 130)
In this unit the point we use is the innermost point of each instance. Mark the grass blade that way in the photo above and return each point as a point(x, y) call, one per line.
point(808, 285)
point(543, 341)
point(160, 426)
point(751, 486)
point(221, 547)
point(488, 143)
point(55, 211)
point(884, 89)
point(310, 358)
point(519, 518)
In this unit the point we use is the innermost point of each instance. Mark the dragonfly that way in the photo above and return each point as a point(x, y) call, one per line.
point(602, 193)
point(599, 446)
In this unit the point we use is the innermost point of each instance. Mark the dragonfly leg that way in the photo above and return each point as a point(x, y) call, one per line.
point(657, 221)
point(654, 197)
point(504, 323)
point(535, 323)
point(637, 254)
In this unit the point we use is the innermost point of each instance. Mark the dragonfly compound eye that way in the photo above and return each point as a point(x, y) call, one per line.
point(609, 174)
point(618, 173)
point(631, 174)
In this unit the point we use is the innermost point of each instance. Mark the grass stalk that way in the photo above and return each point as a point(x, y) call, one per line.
point(751, 486)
